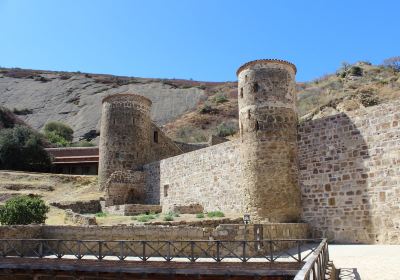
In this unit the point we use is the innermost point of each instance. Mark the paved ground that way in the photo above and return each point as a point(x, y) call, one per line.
point(367, 262)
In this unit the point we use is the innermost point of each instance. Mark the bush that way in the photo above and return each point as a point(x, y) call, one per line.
point(57, 140)
point(200, 215)
point(220, 98)
point(23, 149)
point(208, 109)
point(101, 214)
point(145, 217)
point(23, 210)
point(356, 71)
point(393, 63)
point(215, 214)
point(226, 129)
point(168, 217)
point(59, 129)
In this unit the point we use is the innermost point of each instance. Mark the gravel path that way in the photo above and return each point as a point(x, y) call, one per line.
point(366, 262)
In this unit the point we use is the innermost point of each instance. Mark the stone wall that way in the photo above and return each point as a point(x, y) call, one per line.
point(132, 209)
point(82, 207)
point(350, 175)
point(153, 232)
point(209, 177)
point(78, 219)
point(125, 187)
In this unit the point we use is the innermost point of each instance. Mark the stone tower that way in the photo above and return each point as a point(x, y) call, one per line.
point(268, 131)
point(125, 138)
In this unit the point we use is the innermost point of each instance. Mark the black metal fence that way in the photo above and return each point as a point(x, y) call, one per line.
point(297, 250)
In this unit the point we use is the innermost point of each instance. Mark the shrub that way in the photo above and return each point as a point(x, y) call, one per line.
point(220, 98)
point(226, 129)
point(215, 214)
point(23, 210)
point(57, 140)
point(8, 119)
point(145, 217)
point(200, 215)
point(168, 217)
point(59, 129)
point(356, 71)
point(207, 109)
point(393, 63)
point(101, 214)
point(23, 149)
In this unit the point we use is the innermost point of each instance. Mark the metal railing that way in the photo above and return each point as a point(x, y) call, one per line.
point(315, 266)
point(279, 250)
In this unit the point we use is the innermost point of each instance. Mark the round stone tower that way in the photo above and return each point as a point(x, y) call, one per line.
point(125, 136)
point(268, 130)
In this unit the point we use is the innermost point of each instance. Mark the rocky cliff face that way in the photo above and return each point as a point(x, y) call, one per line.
point(75, 98)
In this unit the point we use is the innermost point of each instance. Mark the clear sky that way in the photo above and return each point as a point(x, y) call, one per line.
point(198, 39)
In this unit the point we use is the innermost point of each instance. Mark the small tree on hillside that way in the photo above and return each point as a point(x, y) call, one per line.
point(59, 133)
point(23, 210)
point(23, 149)
point(393, 63)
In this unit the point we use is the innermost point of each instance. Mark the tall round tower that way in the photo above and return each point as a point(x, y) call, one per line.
point(268, 130)
point(125, 136)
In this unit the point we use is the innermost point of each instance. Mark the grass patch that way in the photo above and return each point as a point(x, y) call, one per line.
point(220, 98)
point(101, 215)
point(143, 218)
point(200, 215)
point(215, 214)
point(168, 217)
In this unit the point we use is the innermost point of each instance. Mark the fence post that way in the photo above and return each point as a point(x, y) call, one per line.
point(218, 253)
point(169, 251)
point(100, 251)
point(79, 250)
point(144, 250)
point(271, 251)
point(244, 252)
point(298, 251)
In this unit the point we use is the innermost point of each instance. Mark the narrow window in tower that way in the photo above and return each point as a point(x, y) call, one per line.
point(257, 126)
point(241, 92)
point(133, 121)
point(166, 187)
point(155, 137)
point(255, 87)
point(248, 114)
point(245, 78)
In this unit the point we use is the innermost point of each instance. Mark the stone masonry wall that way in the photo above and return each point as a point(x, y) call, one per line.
point(350, 175)
point(209, 177)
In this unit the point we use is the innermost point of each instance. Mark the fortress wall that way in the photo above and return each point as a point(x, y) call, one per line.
point(161, 146)
point(350, 175)
point(209, 177)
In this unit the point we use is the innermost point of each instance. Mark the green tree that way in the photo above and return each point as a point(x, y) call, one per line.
point(23, 210)
point(59, 129)
point(21, 148)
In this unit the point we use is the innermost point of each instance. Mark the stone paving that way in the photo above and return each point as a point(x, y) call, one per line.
point(366, 262)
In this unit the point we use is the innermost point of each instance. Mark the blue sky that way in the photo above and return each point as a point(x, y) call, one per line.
point(198, 39)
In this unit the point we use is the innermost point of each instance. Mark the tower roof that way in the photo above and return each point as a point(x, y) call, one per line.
point(265, 61)
point(127, 96)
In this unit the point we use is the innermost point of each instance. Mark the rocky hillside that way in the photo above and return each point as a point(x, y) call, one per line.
point(189, 111)
point(75, 98)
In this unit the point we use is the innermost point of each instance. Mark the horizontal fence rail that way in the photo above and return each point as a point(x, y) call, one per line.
point(279, 250)
point(316, 265)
